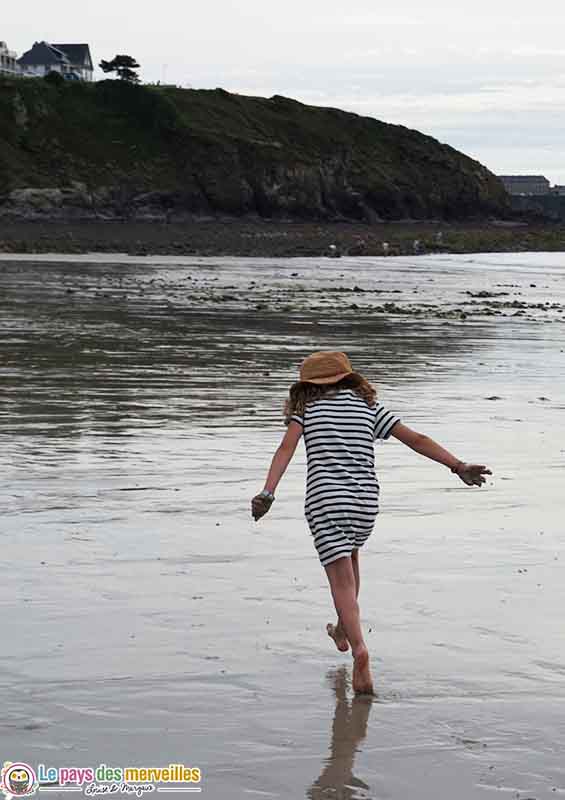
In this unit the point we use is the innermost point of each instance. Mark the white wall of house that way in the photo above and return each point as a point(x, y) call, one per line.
point(39, 70)
point(8, 62)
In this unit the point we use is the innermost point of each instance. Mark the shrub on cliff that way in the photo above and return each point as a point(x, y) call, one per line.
point(123, 66)
point(54, 78)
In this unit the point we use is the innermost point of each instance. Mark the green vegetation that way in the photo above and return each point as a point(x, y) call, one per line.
point(138, 150)
point(55, 78)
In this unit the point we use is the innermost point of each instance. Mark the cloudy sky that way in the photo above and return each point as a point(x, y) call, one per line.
point(487, 76)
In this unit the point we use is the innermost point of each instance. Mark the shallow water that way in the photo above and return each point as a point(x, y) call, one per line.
point(146, 619)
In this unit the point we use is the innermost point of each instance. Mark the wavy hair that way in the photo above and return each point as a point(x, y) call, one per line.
point(303, 393)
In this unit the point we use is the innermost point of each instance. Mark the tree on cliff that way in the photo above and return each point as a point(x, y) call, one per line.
point(124, 66)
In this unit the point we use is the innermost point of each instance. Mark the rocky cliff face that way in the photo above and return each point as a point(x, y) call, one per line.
point(115, 151)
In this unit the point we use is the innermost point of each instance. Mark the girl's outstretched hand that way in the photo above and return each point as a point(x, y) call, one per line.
point(472, 474)
point(260, 505)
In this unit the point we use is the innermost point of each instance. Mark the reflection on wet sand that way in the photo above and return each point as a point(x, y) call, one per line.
point(349, 730)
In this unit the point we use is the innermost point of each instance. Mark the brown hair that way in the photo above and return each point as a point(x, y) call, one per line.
point(303, 393)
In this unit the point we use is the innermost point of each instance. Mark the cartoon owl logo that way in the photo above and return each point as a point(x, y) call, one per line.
point(18, 780)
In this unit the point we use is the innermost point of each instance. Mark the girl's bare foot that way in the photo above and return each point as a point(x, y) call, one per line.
point(362, 679)
point(335, 633)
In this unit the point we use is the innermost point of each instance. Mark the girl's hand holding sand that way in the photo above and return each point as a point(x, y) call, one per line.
point(260, 504)
point(471, 474)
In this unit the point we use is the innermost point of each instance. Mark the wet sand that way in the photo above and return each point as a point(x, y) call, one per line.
point(277, 239)
point(146, 619)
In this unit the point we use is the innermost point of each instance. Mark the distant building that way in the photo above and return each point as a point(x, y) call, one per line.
point(557, 189)
point(42, 59)
point(8, 61)
point(525, 184)
point(79, 58)
point(72, 61)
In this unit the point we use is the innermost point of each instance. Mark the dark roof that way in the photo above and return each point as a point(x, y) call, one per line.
point(42, 53)
point(78, 54)
point(523, 178)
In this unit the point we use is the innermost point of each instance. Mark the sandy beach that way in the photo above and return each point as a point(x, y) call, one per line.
point(147, 620)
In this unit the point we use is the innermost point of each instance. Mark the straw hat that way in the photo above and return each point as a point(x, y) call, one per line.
point(325, 367)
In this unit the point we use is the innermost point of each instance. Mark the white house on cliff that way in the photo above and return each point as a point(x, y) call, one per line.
point(72, 61)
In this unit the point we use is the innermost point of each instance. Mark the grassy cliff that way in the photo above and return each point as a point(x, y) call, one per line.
point(111, 149)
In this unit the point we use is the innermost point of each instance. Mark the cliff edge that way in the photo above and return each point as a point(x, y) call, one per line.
point(111, 150)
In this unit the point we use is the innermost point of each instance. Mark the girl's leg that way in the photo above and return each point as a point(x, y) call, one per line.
point(337, 632)
point(341, 577)
point(355, 565)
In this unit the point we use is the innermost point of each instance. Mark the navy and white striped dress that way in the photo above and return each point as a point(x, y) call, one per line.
point(342, 490)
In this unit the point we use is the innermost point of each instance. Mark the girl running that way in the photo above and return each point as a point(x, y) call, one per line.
point(336, 410)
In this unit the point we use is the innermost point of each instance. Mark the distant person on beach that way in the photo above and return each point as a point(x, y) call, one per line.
point(336, 410)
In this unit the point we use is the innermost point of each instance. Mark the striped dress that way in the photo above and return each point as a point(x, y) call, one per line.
point(342, 490)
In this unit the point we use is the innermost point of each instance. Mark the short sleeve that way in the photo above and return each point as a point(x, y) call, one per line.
point(297, 418)
point(384, 422)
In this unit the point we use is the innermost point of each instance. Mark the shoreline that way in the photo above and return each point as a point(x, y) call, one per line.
point(278, 239)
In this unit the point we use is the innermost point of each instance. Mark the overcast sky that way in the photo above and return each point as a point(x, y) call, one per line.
point(487, 76)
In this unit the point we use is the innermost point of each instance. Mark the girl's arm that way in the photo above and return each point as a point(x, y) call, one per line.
point(471, 474)
point(261, 503)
